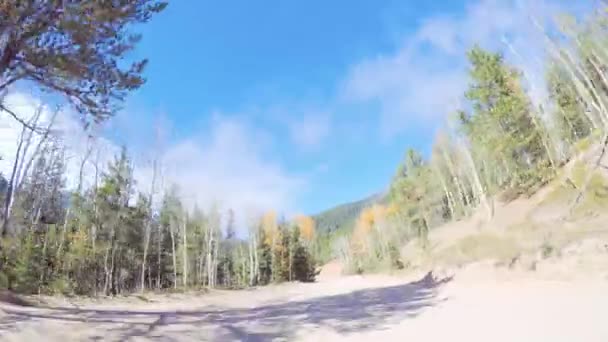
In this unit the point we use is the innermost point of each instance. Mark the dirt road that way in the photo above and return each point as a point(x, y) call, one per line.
point(369, 308)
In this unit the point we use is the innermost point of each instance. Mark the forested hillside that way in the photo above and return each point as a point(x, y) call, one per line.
point(339, 221)
point(344, 216)
point(120, 221)
point(112, 235)
point(500, 146)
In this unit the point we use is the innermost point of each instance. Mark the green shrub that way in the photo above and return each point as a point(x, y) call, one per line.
point(546, 250)
point(583, 144)
point(61, 286)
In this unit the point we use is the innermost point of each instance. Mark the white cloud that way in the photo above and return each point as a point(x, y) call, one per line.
point(310, 130)
point(226, 165)
point(426, 77)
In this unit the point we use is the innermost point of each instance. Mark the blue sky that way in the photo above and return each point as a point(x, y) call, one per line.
point(273, 63)
point(302, 105)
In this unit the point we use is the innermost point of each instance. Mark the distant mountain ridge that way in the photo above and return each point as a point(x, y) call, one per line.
point(344, 215)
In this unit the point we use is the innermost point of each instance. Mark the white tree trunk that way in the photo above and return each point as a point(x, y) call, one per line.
point(11, 189)
point(63, 232)
point(568, 65)
point(20, 168)
point(148, 223)
point(216, 248)
point(185, 252)
point(106, 271)
point(172, 233)
point(256, 259)
point(159, 255)
point(480, 190)
point(251, 251)
point(462, 195)
point(209, 255)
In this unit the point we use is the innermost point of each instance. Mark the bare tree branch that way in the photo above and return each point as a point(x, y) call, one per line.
point(21, 121)
point(12, 80)
point(42, 140)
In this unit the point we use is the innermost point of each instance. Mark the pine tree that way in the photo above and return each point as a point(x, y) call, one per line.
point(303, 265)
point(572, 123)
point(74, 49)
point(501, 128)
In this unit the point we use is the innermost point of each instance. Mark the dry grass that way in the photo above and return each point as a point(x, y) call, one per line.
point(564, 191)
point(561, 194)
point(481, 246)
point(525, 243)
point(583, 144)
point(578, 173)
point(526, 229)
point(596, 198)
point(484, 246)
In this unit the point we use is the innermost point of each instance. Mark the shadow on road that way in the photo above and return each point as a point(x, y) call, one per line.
point(357, 311)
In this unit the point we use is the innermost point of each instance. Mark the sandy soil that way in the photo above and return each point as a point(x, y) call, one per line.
point(476, 304)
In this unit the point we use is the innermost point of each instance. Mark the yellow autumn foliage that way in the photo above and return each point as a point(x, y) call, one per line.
point(392, 210)
point(79, 242)
point(306, 224)
point(369, 219)
point(270, 228)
